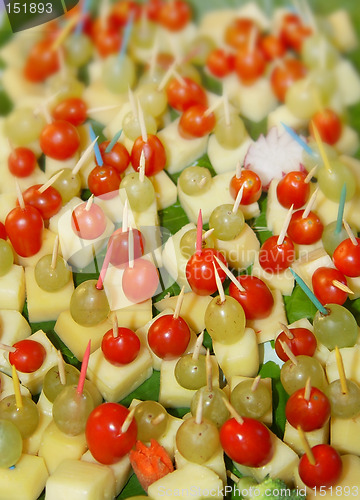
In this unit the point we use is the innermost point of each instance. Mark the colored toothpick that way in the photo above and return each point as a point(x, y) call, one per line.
point(320, 145)
point(309, 293)
point(126, 37)
point(84, 366)
point(298, 139)
point(340, 215)
point(96, 146)
point(199, 234)
point(16, 384)
point(113, 141)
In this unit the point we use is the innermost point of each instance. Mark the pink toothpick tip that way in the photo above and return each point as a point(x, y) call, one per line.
point(199, 234)
point(84, 366)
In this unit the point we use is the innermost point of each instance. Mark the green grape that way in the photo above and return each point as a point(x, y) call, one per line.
point(311, 161)
point(189, 71)
point(71, 410)
point(142, 35)
point(119, 73)
point(337, 328)
point(140, 194)
point(65, 86)
point(52, 385)
point(150, 423)
point(155, 76)
point(88, 305)
point(26, 418)
point(344, 405)
point(331, 182)
point(227, 224)
point(131, 125)
point(68, 184)
point(52, 279)
point(152, 100)
point(94, 392)
point(191, 373)
point(197, 442)
point(10, 444)
point(325, 81)
point(22, 126)
point(188, 243)
point(6, 257)
point(303, 99)
point(213, 405)
point(195, 180)
point(79, 49)
point(331, 239)
point(251, 403)
point(230, 135)
point(316, 52)
point(294, 376)
point(225, 321)
point(202, 45)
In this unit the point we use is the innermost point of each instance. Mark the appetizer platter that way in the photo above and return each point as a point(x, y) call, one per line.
point(179, 259)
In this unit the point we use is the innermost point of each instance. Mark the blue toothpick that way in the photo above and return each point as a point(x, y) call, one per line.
point(309, 293)
point(126, 37)
point(298, 139)
point(113, 141)
point(96, 147)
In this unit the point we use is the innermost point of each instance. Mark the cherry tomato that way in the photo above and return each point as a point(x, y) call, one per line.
point(152, 8)
point(249, 64)
point(325, 291)
point(307, 230)
point(309, 414)
point(284, 75)
point(182, 94)
point(120, 350)
point(302, 342)
point(72, 110)
point(107, 39)
point(292, 32)
point(105, 439)
point(194, 122)
point(120, 13)
point(88, 224)
point(252, 186)
point(276, 258)
point(297, 37)
point(220, 63)
point(248, 443)
point(154, 152)
point(22, 162)
point(24, 227)
point(3, 234)
point(59, 140)
point(293, 190)
point(200, 271)
point(326, 470)
point(257, 300)
point(168, 337)
point(118, 157)
point(174, 15)
point(237, 34)
point(272, 47)
point(48, 203)
point(141, 281)
point(346, 258)
point(328, 124)
point(41, 62)
point(104, 180)
point(28, 357)
point(120, 247)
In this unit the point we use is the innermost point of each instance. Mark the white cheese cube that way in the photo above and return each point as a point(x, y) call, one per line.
point(121, 469)
point(12, 289)
point(25, 481)
point(223, 159)
point(292, 437)
point(267, 328)
point(241, 251)
point(13, 327)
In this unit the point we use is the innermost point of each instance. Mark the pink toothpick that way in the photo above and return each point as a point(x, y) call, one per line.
point(100, 282)
point(84, 366)
point(199, 234)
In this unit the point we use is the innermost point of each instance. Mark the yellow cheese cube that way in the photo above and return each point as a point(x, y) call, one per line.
point(7, 203)
point(75, 479)
point(283, 281)
point(44, 405)
point(69, 206)
point(213, 24)
point(97, 95)
point(112, 207)
point(348, 142)
point(13, 327)
point(351, 361)
point(348, 82)
point(165, 190)
point(12, 289)
point(52, 166)
point(234, 381)
point(307, 264)
point(121, 469)
point(135, 315)
point(267, 328)
point(46, 248)
point(116, 122)
point(216, 463)
point(25, 481)
point(345, 435)
point(7, 387)
point(282, 114)
point(292, 437)
point(241, 251)
point(343, 33)
point(275, 213)
point(16, 86)
point(31, 445)
point(223, 159)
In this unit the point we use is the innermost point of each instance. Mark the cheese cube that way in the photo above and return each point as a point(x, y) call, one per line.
point(292, 438)
point(224, 159)
point(282, 114)
point(135, 315)
point(13, 327)
point(7, 387)
point(121, 470)
point(283, 281)
point(327, 210)
point(75, 479)
point(275, 213)
point(25, 481)
point(348, 82)
point(31, 445)
point(7, 203)
point(240, 252)
point(112, 207)
point(116, 123)
point(306, 265)
point(165, 190)
point(69, 206)
point(234, 381)
point(213, 24)
point(97, 95)
point(16, 86)
point(343, 32)
point(348, 142)
point(351, 361)
point(216, 463)
point(52, 166)
point(48, 240)
point(12, 289)
point(267, 328)
point(240, 358)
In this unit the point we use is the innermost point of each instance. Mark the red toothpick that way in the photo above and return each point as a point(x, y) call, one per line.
point(199, 234)
point(100, 282)
point(84, 366)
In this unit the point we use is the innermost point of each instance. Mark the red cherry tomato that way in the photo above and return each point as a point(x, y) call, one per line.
point(184, 93)
point(257, 300)
point(141, 281)
point(88, 224)
point(328, 124)
point(169, 337)
point(302, 342)
point(276, 258)
point(154, 152)
point(28, 357)
point(24, 228)
point(107, 40)
point(48, 203)
point(72, 109)
point(297, 37)
point(104, 180)
point(248, 443)
point(284, 75)
point(105, 439)
point(152, 8)
point(249, 64)
point(200, 271)
point(237, 34)
point(175, 15)
point(117, 158)
point(347, 258)
point(309, 414)
point(194, 122)
point(120, 247)
point(326, 470)
point(3, 234)
point(252, 186)
point(220, 63)
point(325, 291)
point(41, 62)
point(292, 32)
point(120, 350)
point(121, 11)
point(293, 190)
point(59, 140)
point(22, 162)
point(307, 230)
point(272, 47)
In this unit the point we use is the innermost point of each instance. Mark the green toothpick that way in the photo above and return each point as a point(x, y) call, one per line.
point(309, 293)
point(341, 210)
